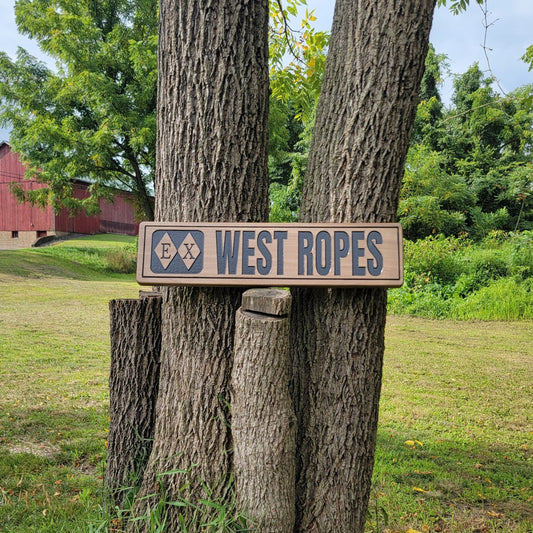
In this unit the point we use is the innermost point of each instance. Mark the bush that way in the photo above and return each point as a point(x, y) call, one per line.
point(447, 277)
point(433, 259)
point(481, 267)
point(424, 215)
point(122, 260)
point(425, 304)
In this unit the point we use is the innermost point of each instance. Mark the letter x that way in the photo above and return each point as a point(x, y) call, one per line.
point(189, 248)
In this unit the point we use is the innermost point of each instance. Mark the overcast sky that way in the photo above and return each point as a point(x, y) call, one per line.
point(459, 37)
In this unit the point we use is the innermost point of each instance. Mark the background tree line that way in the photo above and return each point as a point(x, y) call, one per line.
point(468, 169)
point(94, 116)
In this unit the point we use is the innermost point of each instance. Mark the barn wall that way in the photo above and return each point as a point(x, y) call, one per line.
point(119, 216)
point(80, 223)
point(20, 224)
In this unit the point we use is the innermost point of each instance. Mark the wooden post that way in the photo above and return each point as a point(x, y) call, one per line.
point(263, 421)
point(133, 387)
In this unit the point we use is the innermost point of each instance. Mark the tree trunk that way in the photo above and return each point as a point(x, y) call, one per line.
point(361, 136)
point(133, 387)
point(263, 422)
point(211, 166)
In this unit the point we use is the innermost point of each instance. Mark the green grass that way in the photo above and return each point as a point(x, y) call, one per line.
point(54, 360)
point(454, 442)
point(95, 257)
point(105, 240)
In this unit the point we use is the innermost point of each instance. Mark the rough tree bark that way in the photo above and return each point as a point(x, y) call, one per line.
point(133, 386)
point(361, 136)
point(263, 422)
point(211, 166)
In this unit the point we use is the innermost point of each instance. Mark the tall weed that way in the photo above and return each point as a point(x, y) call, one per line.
point(503, 299)
point(122, 260)
point(210, 514)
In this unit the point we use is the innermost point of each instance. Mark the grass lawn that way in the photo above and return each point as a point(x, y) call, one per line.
point(54, 359)
point(455, 438)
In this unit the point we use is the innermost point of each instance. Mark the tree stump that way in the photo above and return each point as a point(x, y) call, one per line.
point(263, 421)
point(133, 387)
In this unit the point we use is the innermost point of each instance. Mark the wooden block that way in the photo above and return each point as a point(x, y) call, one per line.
point(275, 302)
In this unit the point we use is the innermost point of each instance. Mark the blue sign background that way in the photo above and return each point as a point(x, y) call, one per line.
point(177, 266)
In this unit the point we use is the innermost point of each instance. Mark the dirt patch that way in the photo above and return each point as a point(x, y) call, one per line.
point(41, 449)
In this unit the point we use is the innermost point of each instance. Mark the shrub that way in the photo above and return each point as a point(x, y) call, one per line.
point(448, 277)
point(481, 267)
point(433, 259)
point(122, 260)
point(425, 304)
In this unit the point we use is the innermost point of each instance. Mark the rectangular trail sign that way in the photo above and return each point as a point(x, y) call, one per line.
point(249, 254)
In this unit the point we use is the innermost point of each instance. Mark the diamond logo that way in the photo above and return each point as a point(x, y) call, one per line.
point(166, 250)
point(177, 251)
point(189, 251)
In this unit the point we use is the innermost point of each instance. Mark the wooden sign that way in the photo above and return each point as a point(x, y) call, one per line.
point(335, 255)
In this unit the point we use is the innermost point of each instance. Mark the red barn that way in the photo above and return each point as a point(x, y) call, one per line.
point(21, 224)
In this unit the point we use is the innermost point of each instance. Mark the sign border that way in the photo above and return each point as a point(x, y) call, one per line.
point(263, 281)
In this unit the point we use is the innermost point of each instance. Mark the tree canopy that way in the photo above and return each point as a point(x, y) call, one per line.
point(469, 167)
point(94, 117)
